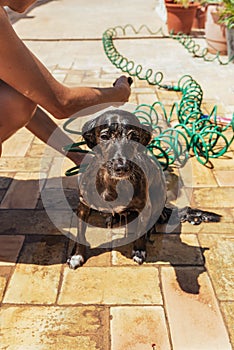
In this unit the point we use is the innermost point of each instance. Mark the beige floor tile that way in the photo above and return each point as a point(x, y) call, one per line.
point(5, 180)
point(29, 221)
point(108, 286)
point(17, 145)
point(59, 198)
point(50, 328)
point(147, 98)
point(17, 164)
point(23, 191)
point(138, 328)
point(228, 312)
point(5, 272)
point(95, 256)
point(213, 227)
point(43, 250)
point(36, 276)
point(219, 261)
point(225, 162)
point(195, 320)
point(10, 247)
point(213, 198)
point(166, 249)
point(193, 174)
point(33, 284)
point(225, 178)
point(2, 194)
point(36, 150)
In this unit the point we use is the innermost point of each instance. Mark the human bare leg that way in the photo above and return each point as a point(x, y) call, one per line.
point(48, 131)
point(16, 111)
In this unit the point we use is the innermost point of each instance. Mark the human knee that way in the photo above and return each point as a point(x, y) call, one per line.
point(15, 105)
point(16, 111)
point(26, 111)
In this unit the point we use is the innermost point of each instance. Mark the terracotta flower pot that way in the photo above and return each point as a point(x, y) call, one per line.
point(200, 18)
point(179, 18)
point(215, 33)
point(230, 43)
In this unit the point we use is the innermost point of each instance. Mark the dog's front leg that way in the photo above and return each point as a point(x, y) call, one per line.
point(77, 257)
point(139, 245)
point(139, 250)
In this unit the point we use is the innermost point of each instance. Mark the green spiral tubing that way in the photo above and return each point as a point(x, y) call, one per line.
point(195, 133)
point(188, 42)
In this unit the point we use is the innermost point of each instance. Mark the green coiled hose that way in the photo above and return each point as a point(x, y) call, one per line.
point(194, 133)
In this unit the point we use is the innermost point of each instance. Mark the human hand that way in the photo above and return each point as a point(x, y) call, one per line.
point(123, 89)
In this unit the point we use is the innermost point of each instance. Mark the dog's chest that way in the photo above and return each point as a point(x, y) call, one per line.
point(109, 198)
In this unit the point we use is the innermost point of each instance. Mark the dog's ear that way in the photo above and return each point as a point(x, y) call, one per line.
point(145, 134)
point(88, 133)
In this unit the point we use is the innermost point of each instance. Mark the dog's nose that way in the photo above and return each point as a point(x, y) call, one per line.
point(120, 165)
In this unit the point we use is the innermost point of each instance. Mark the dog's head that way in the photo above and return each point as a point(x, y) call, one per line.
point(119, 137)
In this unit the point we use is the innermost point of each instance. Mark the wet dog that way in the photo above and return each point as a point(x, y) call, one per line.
point(122, 179)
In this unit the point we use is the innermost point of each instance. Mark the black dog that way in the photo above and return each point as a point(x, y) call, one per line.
point(122, 179)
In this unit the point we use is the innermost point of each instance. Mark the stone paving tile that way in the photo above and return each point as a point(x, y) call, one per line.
point(225, 177)
point(195, 175)
point(35, 222)
point(219, 262)
point(23, 191)
point(5, 272)
point(36, 150)
point(213, 198)
point(138, 328)
point(10, 247)
point(214, 227)
point(95, 256)
point(5, 180)
point(50, 328)
point(166, 249)
point(56, 175)
point(59, 198)
point(194, 317)
point(224, 163)
point(17, 145)
point(23, 164)
point(228, 312)
point(32, 284)
point(92, 285)
point(37, 275)
point(43, 250)
point(147, 98)
point(2, 194)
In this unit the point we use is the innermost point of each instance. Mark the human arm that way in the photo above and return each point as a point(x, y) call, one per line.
point(20, 69)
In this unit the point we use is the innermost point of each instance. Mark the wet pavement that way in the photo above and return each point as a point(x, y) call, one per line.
point(182, 297)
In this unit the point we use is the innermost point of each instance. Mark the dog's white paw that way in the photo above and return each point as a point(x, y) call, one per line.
point(139, 256)
point(75, 261)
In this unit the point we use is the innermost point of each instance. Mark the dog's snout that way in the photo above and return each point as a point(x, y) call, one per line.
point(119, 166)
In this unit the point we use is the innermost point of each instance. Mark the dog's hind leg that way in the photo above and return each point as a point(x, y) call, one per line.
point(193, 216)
point(77, 257)
point(197, 216)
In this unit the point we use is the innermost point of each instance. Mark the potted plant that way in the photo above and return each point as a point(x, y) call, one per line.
point(180, 15)
point(226, 17)
point(214, 31)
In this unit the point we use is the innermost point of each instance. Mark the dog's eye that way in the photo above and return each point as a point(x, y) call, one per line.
point(104, 137)
point(132, 135)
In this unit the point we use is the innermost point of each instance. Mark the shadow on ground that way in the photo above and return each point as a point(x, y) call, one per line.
point(44, 244)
